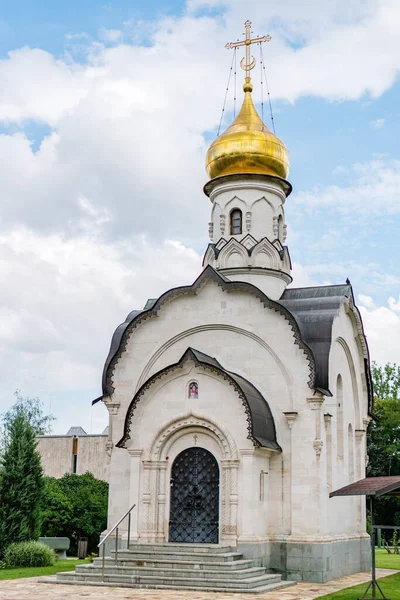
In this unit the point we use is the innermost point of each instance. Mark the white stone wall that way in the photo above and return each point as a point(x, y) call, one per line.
point(92, 456)
point(256, 255)
point(278, 495)
point(56, 454)
point(261, 203)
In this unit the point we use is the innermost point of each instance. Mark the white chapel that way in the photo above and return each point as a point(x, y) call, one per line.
point(238, 402)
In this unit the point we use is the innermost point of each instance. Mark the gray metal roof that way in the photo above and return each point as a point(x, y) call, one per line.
point(314, 309)
point(76, 432)
point(261, 425)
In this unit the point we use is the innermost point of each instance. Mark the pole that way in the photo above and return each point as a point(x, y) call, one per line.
point(373, 557)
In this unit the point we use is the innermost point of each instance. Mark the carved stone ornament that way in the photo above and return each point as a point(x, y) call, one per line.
point(109, 447)
point(222, 223)
point(316, 401)
point(275, 226)
point(284, 233)
point(328, 419)
point(290, 418)
point(248, 221)
point(318, 445)
point(211, 230)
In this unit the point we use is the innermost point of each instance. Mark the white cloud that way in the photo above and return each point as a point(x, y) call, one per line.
point(84, 216)
point(382, 328)
point(378, 123)
point(62, 299)
point(374, 190)
point(393, 304)
point(112, 36)
point(366, 302)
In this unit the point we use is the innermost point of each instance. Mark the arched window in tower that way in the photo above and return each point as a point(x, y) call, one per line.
point(236, 221)
point(350, 450)
point(193, 390)
point(339, 416)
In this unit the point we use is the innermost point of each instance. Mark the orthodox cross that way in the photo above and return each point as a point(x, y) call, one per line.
point(195, 437)
point(246, 63)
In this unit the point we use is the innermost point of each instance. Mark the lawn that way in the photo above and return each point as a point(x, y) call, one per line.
point(61, 565)
point(390, 585)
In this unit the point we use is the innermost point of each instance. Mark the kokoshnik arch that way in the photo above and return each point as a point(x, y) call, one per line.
point(238, 404)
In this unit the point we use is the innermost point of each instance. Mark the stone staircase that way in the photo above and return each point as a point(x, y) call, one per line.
point(178, 566)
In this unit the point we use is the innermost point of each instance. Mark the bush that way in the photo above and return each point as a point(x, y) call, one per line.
point(29, 554)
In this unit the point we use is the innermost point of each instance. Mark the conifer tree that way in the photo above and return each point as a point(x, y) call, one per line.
point(21, 484)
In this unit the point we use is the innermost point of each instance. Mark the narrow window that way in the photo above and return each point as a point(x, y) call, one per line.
point(74, 454)
point(339, 416)
point(351, 453)
point(236, 221)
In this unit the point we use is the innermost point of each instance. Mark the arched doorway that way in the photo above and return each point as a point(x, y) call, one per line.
point(194, 506)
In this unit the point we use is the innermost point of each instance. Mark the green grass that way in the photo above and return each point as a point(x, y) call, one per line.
point(387, 561)
point(19, 572)
point(390, 585)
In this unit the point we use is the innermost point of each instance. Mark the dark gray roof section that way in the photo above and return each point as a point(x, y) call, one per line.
point(310, 312)
point(314, 309)
point(261, 425)
point(76, 432)
point(114, 347)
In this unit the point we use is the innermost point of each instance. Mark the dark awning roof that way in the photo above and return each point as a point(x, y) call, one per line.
point(261, 423)
point(371, 486)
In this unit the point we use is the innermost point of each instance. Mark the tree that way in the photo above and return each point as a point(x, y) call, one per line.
point(384, 436)
point(21, 483)
point(57, 508)
point(75, 506)
point(32, 410)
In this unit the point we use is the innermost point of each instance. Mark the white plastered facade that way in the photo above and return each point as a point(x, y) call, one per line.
point(274, 502)
point(290, 501)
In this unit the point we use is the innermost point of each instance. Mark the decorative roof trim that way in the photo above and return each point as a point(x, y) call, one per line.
point(229, 286)
point(209, 364)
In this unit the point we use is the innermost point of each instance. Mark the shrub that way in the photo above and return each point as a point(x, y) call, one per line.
point(29, 554)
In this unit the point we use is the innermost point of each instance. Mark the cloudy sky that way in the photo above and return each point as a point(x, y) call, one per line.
point(106, 112)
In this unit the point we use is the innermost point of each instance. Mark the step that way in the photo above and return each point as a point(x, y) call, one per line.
point(178, 564)
point(175, 546)
point(91, 571)
point(270, 587)
point(145, 581)
point(175, 555)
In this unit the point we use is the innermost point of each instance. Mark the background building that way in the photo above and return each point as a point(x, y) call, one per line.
point(75, 452)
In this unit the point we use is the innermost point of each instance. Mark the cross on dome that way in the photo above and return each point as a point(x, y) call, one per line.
point(248, 63)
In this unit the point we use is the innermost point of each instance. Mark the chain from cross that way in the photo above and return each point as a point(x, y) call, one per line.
point(248, 63)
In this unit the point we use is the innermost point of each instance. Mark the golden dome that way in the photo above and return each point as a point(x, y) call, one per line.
point(247, 146)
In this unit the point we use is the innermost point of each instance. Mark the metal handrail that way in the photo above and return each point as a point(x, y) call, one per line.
point(115, 528)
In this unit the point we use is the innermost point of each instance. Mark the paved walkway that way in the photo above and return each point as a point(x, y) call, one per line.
point(34, 588)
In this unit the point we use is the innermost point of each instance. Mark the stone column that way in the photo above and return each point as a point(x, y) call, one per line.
point(328, 433)
point(134, 491)
point(161, 501)
point(229, 501)
point(321, 497)
point(291, 416)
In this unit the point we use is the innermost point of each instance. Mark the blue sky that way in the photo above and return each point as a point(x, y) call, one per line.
point(106, 112)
